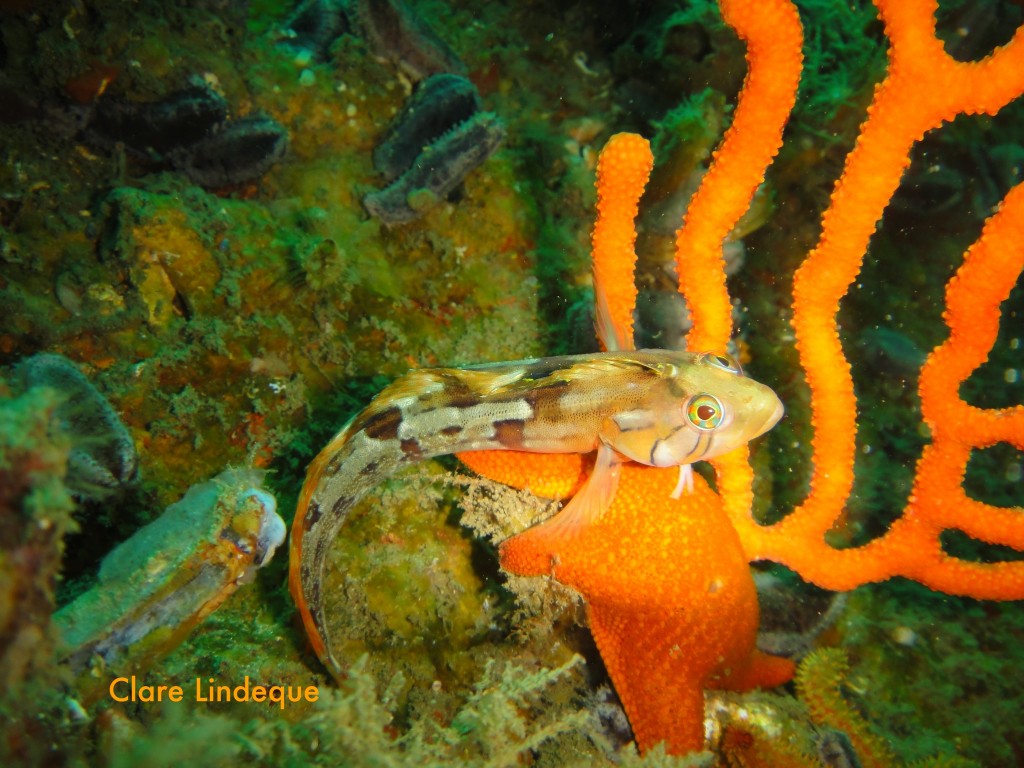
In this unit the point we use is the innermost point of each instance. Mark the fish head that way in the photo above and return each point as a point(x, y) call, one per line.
point(703, 406)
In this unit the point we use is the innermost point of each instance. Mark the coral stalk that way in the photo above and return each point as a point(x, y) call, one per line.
point(924, 88)
point(622, 171)
point(774, 38)
point(772, 33)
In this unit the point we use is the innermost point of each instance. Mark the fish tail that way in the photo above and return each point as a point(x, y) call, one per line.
point(414, 419)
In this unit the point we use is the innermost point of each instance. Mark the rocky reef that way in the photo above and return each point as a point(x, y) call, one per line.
point(225, 226)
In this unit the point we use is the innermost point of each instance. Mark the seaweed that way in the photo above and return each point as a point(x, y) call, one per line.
point(35, 516)
point(355, 727)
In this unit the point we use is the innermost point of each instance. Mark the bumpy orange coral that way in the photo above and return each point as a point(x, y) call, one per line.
point(622, 171)
point(774, 39)
point(923, 88)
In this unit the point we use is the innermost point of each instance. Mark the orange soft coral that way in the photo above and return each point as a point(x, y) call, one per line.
point(912, 546)
point(923, 88)
point(774, 38)
point(622, 171)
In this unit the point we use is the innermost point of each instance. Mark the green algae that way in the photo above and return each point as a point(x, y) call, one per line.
point(937, 672)
point(410, 592)
point(352, 727)
point(35, 517)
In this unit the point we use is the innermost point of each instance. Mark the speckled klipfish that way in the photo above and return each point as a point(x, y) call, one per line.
point(656, 407)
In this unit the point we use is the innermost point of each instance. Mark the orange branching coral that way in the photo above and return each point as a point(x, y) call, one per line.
point(924, 87)
point(774, 38)
point(912, 547)
point(622, 171)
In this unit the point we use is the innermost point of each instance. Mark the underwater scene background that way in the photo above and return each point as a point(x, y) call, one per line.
point(226, 226)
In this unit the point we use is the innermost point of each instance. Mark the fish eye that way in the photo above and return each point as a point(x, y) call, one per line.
point(724, 362)
point(704, 411)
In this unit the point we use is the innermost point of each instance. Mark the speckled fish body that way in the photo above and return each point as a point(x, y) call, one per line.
point(657, 407)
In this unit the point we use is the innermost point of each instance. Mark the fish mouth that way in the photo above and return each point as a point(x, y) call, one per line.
point(772, 417)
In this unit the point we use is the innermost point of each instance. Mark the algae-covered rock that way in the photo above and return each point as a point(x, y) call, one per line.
point(35, 515)
point(172, 269)
point(403, 586)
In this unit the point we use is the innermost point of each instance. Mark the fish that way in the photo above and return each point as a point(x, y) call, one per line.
point(661, 408)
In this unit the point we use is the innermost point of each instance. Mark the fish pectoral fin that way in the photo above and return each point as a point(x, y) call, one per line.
point(591, 501)
point(685, 482)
